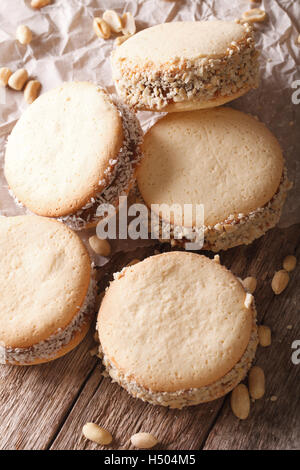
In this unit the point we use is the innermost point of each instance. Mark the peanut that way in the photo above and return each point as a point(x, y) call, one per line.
point(280, 281)
point(289, 263)
point(101, 28)
point(255, 15)
point(95, 433)
point(122, 39)
point(249, 284)
point(99, 246)
point(23, 34)
point(248, 300)
point(128, 23)
point(143, 440)
point(256, 382)
point(113, 20)
point(39, 3)
point(264, 335)
point(217, 259)
point(32, 90)
point(240, 401)
point(18, 79)
point(5, 73)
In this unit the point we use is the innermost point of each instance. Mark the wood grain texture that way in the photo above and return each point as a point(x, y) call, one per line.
point(46, 406)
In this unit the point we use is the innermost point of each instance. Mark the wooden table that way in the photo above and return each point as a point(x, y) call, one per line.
point(45, 407)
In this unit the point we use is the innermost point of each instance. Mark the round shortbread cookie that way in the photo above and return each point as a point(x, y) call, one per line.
point(176, 65)
point(174, 322)
point(45, 277)
point(60, 150)
point(221, 158)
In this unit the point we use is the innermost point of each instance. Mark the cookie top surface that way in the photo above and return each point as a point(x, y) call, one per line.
point(60, 148)
point(174, 321)
point(44, 276)
point(220, 157)
point(189, 40)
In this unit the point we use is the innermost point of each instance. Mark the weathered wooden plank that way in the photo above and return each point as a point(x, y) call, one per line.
point(111, 407)
point(35, 400)
point(271, 425)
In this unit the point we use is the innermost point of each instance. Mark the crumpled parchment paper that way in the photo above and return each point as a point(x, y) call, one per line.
point(65, 47)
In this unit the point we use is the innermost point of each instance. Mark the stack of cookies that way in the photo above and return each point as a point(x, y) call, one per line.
point(177, 329)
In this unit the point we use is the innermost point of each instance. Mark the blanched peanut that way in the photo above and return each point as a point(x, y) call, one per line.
point(23, 34)
point(32, 90)
point(240, 401)
point(18, 79)
point(101, 28)
point(289, 263)
point(39, 3)
point(255, 15)
point(128, 23)
point(217, 259)
point(249, 284)
point(143, 440)
point(248, 300)
point(256, 382)
point(113, 20)
point(95, 433)
point(280, 281)
point(264, 335)
point(101, 247)
point(5, 73)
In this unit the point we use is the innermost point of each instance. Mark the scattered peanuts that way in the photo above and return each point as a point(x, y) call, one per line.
point(248, 300)
point(264, 335)
point(122, 39)
point(5, 73)
point(18, 79)
point(95, 433)
point(128, 23)
point(256, 382)
point(240, 401)
point(32, 90)
point(217, 259)
point(132, 262)
point(280, 281)
point(23, 34)
point(249, 284)
point(273, 398)
point(113, 20)
point(255, 15)
point(101, 28)
point(99, 246)
point(39, 3)
point(289, 263)
point(143, 440)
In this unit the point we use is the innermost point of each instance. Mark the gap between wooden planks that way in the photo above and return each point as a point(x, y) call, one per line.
point(46, 406)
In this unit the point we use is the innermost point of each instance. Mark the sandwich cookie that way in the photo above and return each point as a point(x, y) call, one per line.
point(177, 329)
point(183, 66)
point(72, 150)
point(47, 290)
point(221, 158)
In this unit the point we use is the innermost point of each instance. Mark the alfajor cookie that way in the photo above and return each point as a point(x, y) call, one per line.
point(182, 66)
point(72, 150)
point(47, 290)
point(176, 329)
point(221, 158)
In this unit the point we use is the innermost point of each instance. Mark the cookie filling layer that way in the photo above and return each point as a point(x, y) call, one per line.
point(240, 229)
point(49, 348)
point(192, 396)
point(203, 80)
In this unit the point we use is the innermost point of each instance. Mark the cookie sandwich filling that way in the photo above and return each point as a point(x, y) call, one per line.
point(203, 80)
point(50, 347)
point(239, 229)
point(192, 396)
